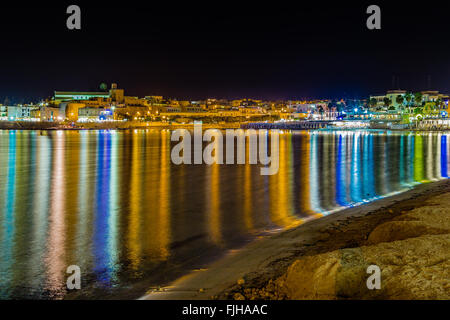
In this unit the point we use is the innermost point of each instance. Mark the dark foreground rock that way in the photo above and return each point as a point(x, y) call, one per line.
point(412, 250)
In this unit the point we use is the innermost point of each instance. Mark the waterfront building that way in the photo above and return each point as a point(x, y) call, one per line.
point(61, 96)
point(427, 96)
point(315, 110)
point(132, 113)
point(19, 112)
point(134, 101)
point(171, 108)
point(154, 99)
point(3, 112)
point(117, 95)
point(434, 124)
point(72, 111)
point(90, 106)
point(192, 108)
point(392, 95)
point(433, 96)
point(50, 114)
point(89, 114)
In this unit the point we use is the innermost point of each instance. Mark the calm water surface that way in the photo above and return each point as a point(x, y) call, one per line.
point(112, 203)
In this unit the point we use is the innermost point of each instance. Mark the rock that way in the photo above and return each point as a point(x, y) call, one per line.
point(412, 252)
point(238, 296)
point(311, 277)
point(413, 269)
point(421, 221)
point(400, 230)
point(416, 268)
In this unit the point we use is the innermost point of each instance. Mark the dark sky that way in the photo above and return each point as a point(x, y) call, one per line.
point(224, 49)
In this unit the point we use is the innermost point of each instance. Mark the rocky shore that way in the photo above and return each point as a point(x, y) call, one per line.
point(412, 249)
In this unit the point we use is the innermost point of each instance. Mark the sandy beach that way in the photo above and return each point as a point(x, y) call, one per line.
point(407, 235)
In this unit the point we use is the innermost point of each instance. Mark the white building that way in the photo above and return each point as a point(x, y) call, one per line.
point(19, 112)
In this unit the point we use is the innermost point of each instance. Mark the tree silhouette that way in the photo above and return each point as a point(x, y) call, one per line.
point(399, 100)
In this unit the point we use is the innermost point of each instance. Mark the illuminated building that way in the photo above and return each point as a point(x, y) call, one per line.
point(19, 112)
point(3, 112)
point(116, 94)
point(61, 96)
point(51, 114)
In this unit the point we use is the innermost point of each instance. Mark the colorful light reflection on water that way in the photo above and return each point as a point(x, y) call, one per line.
point(112, 202)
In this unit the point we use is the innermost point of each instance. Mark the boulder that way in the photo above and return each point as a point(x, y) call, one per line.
point(416, 268)
point(426, 220)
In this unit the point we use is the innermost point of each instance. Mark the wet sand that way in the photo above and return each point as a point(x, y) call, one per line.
point(245, 273)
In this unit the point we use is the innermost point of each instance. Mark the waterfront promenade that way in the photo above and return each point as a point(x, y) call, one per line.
point(425, 125)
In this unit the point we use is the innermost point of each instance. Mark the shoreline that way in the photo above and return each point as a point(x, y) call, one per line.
point(49, 126)
point(91, 126)
point(247, 272)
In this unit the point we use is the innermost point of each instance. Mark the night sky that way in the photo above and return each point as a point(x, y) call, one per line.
point(224, 49)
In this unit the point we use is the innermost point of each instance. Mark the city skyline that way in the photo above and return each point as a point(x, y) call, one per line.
point(10, 100)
